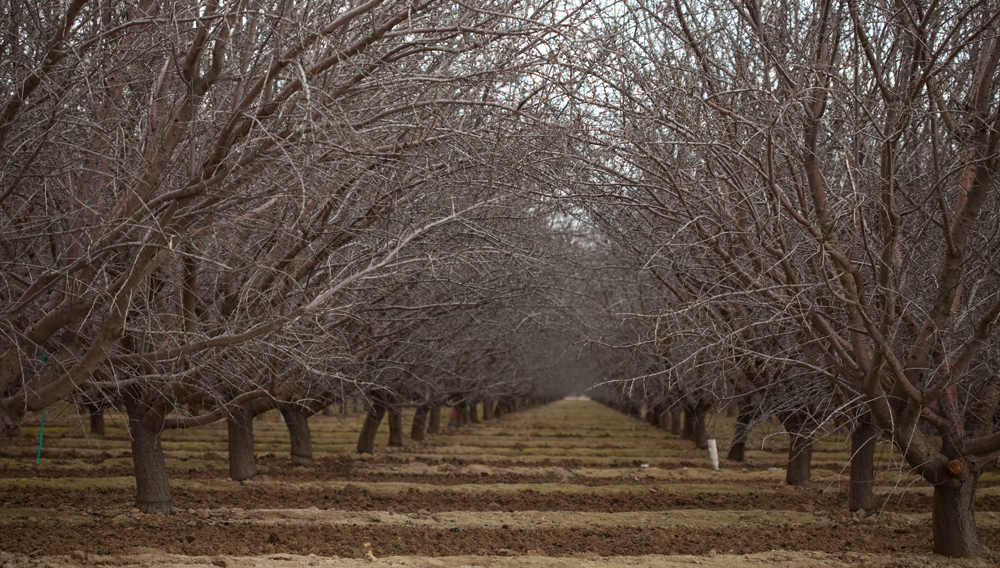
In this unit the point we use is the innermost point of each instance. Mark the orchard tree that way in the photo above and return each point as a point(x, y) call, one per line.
point(836, 160)
point(192, 190)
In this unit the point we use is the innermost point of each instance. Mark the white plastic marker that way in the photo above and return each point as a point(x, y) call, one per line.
point(713, 454)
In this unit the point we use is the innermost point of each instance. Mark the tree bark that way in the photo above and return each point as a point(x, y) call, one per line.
point(474, 412)
point(488, 406)
point(699, 434)
point(737, 450)
point(300, 437)
point(366, 441)
point(152, 493)
point(456, 419)
point(419, 422)
point(434, 420)
point(861, 495)
point(463, 409)
point(96, 420)
point(800, 449)
point(242, 464)
point(675, 421)
point(953, 518)
point(635, 410)
point(395, 427)
point(687, 424)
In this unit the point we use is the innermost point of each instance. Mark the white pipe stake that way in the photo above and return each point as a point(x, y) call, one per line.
point(713, 454)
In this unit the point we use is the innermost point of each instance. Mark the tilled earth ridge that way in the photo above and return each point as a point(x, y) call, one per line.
point(425, 506)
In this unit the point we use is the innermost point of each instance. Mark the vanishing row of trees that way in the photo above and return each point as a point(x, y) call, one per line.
point(238, 206)
point(251, 204)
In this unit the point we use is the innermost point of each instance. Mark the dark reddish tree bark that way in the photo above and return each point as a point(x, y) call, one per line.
point(395, 427)
point(419, 423)
point(300, 437)
point(366, 440)
point(861, 494)
point(799, 426)
point(434, 420)
point(152, 487)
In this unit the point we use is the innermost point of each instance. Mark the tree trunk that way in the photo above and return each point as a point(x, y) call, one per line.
point(242, 464)
point(366, 441)
point(737, 450)
point(953, 519)
point(800, 449)
point(861, 494)
point(300, 437)
point(474, 412)
point(96, 420)
point(395, 427)
point(152, 493)
point(675, 421)
point(488, 406)
point(456, 419)
point(635, 410)
point(699, 433)
point(463, 409)
point(434, 421)
point(687, 424)
point(419, 422)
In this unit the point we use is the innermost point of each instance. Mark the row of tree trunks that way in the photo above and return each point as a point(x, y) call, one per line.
point(689, 422)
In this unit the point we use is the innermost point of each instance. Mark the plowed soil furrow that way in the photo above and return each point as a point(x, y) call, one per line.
point(572, 480)
point(395, 540)
point(354, 498)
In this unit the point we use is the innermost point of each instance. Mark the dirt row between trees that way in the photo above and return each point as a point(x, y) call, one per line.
point(565, 484)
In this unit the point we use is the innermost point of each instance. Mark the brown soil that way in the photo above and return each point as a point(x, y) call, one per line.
point(421, 504)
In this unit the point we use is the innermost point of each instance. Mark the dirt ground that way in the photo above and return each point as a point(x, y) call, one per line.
point(569, 484)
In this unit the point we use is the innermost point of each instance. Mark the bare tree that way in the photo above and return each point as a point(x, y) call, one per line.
point(836, 161)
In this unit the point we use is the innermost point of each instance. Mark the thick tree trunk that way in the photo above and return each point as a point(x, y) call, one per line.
point(366, 441)
point(737, 450)
point(419, 422)
point(434, 420)
point(474, 412)
point(953, 519)
point(300, 437)
point(96, 420)
point(152, 493)
point(242, 464)
point(651, 416)
point(466, 415)
point(861, 495)
point(800, 449)
point(395, 427)
point(488, 406)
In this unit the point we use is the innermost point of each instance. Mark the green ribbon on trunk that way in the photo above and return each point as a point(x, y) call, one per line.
point(41, 433)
